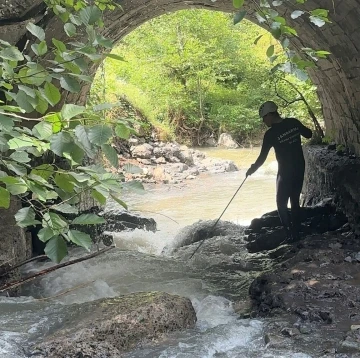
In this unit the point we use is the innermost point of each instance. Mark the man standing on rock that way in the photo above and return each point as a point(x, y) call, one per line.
point(285, 136)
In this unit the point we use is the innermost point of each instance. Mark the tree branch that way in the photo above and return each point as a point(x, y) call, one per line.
point(29, 278)
point(303, 99)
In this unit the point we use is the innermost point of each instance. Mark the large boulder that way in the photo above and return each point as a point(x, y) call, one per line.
point(108, 327)
point(226, 140)
point(143, 151)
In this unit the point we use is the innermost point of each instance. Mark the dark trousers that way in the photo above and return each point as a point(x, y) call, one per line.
point(289, 186)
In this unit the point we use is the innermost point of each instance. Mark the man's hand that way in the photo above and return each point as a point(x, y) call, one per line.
point(250, 171)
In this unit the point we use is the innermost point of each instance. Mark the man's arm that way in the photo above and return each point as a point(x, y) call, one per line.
point(266, 146)
point(304, 131)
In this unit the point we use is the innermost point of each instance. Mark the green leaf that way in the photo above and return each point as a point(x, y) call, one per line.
point(17, 188)
point(75, 20)
point(80, 238)
point(25, 102)
point(70, 29)
point(99, 134)
point(318, 21)
point(134, 185)
point(276, 33)
point(39, 191)
point(270, 51)
point(42, 106)
point(59, 45)
point(119, 201)
point(75, 154)
point(239, 16)
point(320, 12)
point(70, 84)
point(288, 30)
point(29, 91)
point(56, 249)
point(4, 198)
point(36, 31)
point(110, 154)
point(45, 234)
point(88, 219)
point(80, 177)
point(54, 221)
point(102, 41)
point(322, 54)
point(297, 13)
point(26, 217)
point(82, 137)
point(71, 110)
point(60, 142)
point(90, 15)
point(44, 171)
point(20, 142)
point(16, 168)
point(12, 54)
point(6, 123)
point(55, 119)
point(65, 208)
point(132, 169)
point(122, 131)
point(39, 49)
point(21, 157)
point(40, 180)
point(43, 130)
point(280, 20)
point(64, 182)
point(285, 43)
point(277, 2)
point(115, 57)
point(301, 75)
point(98, 197)
point(51, 94)
point(238, 3)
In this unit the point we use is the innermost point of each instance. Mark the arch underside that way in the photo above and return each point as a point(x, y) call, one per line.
point(337, 78)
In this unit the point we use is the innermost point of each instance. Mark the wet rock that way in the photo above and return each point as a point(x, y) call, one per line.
point(108, 327)
point(202, 230)
point(267, 241)
point(275, 341)
point(305, 329)
point(290, 332)
point(357, 257)
point(348, 259)
point(117, 220)
point(349, 346)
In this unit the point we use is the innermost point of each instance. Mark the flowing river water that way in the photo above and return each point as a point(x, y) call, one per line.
point(137, 265)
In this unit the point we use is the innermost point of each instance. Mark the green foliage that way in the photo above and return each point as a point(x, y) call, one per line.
point(194, 71)
point(63, 133)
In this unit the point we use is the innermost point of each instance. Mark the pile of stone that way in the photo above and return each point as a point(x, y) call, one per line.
point(171, 163)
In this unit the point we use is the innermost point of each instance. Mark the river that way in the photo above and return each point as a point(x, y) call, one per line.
point(136, 265)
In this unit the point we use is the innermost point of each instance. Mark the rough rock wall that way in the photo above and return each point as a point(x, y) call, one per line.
point(338, 78)
point(331, 175)
point(15, 246)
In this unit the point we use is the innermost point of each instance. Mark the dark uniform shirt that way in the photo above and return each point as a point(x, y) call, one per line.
point(285, 138)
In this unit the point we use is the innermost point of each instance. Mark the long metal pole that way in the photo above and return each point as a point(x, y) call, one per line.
point(213, 227)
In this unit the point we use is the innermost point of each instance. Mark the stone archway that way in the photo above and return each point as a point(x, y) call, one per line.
point(337, 78)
